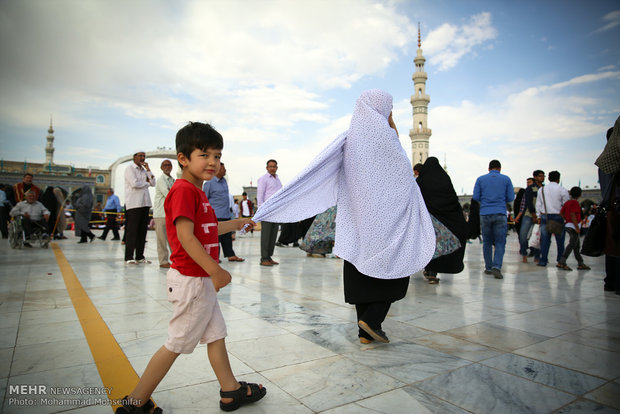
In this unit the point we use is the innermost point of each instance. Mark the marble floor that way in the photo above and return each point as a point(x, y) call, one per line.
point(541, 340)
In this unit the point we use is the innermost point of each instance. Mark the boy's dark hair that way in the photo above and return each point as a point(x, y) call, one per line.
point(537, 172)
point(575, 192)
point(196, 135)
point(554, 176)
point(417, 167)
point(494, 165)
point(272, 161)
point(28, 174)
point(244, 194)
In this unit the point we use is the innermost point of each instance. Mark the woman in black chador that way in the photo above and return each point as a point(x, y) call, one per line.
point(442, 202)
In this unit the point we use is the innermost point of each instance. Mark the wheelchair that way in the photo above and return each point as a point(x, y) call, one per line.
point(17, 236)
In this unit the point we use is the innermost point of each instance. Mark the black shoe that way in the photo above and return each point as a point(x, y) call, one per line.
point(82, 241)
point(91, 237)
point(377, 334)
point(295, 244)
point(102, 238)
point(115, 239)
point(27, 245)
point(279, 244)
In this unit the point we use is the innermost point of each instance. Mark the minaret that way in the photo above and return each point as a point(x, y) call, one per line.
point(420, 133)
point(49, 148)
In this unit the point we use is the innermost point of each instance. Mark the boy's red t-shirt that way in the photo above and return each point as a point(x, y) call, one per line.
point(571, 206)
point(187, 200)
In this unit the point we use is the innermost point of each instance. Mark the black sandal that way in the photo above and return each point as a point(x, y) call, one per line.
point(127, 408)
point(240, 396)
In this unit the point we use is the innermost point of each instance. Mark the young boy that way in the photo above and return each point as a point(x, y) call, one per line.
point(195, 276)
point(571, 212)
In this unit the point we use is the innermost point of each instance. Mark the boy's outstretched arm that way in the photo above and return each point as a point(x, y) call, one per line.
point(224, 227)
point(185, 233)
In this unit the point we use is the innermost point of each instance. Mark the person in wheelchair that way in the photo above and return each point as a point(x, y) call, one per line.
point(34, 214)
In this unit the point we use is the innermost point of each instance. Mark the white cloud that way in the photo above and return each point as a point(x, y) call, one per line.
point(612, 20)
point(524, 131)
point(447, 44)
point(193, 59)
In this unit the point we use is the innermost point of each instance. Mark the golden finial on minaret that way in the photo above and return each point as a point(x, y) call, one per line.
point(419, 38)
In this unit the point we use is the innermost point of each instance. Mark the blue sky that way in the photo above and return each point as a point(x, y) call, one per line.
point(533, 84)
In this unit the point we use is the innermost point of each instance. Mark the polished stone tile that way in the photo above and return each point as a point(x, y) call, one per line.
point(251, 328)
point(49, 332)
point(47, 316)
point(400, 401)
point(339, 339)
point(142, 342)
point(585, 406)
point(457, 347)
point(481, 389)
point(99, 408)
point(276, 351)
point(329, 382)
point(47, 356)
point(407, 362)
point(189, 369)
point(76, 377)
point(47, 299)
point(8, 337)
point(608, 340)
point(496, 336)
point(456, 317)
point(301, 321)
point(577, 357)
point(9, 319)
point(204, 399)
point(546, 374)
point(6, 359)
point(608, 394)
point(139, 322)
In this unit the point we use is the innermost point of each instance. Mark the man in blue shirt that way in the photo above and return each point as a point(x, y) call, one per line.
point(493, 191)
point(112, 205)
point(216, 191)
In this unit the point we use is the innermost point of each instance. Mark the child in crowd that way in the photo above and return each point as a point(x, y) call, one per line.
point(195, 276)
point(571, 212)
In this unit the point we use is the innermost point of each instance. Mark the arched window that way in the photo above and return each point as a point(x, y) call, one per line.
point(100, 179)
point(420, 127)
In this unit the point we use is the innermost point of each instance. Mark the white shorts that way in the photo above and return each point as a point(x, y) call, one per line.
point(196, 313)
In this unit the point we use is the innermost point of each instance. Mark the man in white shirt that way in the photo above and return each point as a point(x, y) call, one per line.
point(268, 185)
point(33, 213)
point(549, 202)
point(163, 186)
point(138, 179)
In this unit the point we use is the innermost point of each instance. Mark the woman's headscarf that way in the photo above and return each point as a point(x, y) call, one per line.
point(383, 227)
point(84, 203)
point(48, 199)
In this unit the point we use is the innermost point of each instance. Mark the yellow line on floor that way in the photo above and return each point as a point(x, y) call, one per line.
point(115, 370)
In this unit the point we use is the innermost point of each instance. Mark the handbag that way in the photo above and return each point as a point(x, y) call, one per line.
point(594, 240)
point(552, 226)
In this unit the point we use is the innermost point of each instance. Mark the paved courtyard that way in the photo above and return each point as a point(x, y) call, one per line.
point(541, 340)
